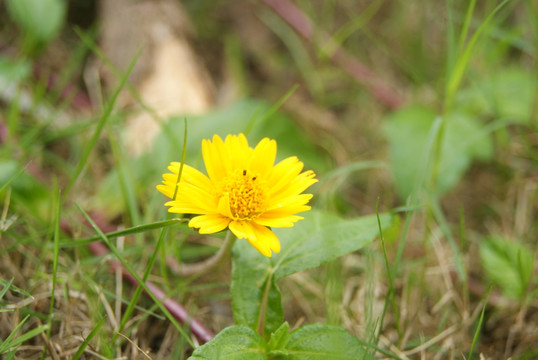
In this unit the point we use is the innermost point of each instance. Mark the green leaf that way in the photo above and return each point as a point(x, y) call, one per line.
point(253, 288)
point(508, 264)
point(324, 342)
point(235, 342)
point(508, 95)
point(41, 19)
point(11, 341)
point(26, 190)
point(279, 339)
point(13, 71)
point(88, 338)
point(322, 237)
point(319, 238)
point(407, 131)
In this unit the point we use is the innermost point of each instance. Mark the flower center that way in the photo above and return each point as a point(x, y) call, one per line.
point(246, 194)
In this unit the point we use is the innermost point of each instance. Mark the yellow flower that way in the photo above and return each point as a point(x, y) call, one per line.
point(244, 190)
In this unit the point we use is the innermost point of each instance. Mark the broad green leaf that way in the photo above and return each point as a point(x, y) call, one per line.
point(233, 343)
point(41, 19)
point(252, 288)
point(322, 237)
point(319, 238)
point(508, 95)
point(324, 342)
point(407, 131)
point(508, 264)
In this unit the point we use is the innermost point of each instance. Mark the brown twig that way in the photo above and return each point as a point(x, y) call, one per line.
point(304, 26)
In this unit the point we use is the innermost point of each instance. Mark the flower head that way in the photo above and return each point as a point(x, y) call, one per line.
point(244, 190)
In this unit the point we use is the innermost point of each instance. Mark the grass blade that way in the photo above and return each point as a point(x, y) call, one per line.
point(133, 273)
point(160, 242)
point(391, 293)
point(88, 40)
point(14, 177)
point(9, 285)
point(6, 288)
point(445, 228)
point(100, 125)
point(8, 344)
point(461, 64)
point(87, 340)
point(55, 258)
point(278, 104)
point(479, 326)
point(126, 183)
point(465, 29)
point(129, 231)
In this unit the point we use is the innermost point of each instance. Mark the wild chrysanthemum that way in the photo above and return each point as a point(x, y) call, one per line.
point(243, 190)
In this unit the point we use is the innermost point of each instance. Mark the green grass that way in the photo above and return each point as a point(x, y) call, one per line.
point(454, 276)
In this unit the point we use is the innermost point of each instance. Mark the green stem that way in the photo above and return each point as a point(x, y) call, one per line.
point(263, 306)
point(210, 263)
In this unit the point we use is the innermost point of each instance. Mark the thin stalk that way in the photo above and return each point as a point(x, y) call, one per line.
point(55, 259)
point(100, 125)
point(132, 230)
point(391, 293)
point(134, 274)
point(132, 90)
point(263, 305)
point(439, 216)
point(126, 185)
point(210, 263)
point(87, 340)
point(162, 243)
point(149, 267)
point(479, 326)
point(465, 29)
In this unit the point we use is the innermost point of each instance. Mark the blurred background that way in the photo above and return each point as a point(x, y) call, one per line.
point(425, 108)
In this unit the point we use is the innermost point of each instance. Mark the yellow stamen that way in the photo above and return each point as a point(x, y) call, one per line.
point(245, 193)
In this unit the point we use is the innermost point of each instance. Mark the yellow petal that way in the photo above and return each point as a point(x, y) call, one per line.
point(237, 151)
point(270, 196)
point(224, 206)
point(283, 173)
point(210, 223)
point(263, 157)
point(287, 205)
point(296, 186)
point(192, 200)
point(190, 175)
point(277, 219)
point(212, 153)
point(263, 239)
point(166, 190)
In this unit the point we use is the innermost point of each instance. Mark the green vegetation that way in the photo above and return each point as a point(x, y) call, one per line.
point(420, 119)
